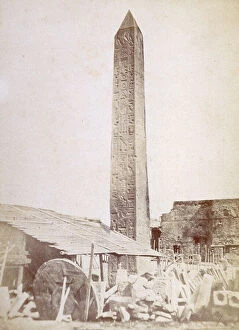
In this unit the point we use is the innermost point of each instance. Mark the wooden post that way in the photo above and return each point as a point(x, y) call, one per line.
point(3, 264)
point(19, 280)
point(159, 267)
point(61, 308)
point(81, 264)
point(87, 300)
point(101, 268)
point(64, 295)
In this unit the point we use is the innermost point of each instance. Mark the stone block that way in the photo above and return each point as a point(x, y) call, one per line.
point(233, 299)
point(220, 298)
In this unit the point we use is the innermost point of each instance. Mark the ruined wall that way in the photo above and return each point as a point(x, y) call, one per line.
point(225, 222)
point(196, 224)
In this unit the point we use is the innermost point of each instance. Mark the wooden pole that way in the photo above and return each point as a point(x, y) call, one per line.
point(81, 264)
point(64, 295)
point(101, 268)
point(3, 264)
point(19, 280)
point(159, 266)
point(60, 312)
point(87, 300)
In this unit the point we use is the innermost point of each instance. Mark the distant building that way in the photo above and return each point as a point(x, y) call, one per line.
point(207, 227)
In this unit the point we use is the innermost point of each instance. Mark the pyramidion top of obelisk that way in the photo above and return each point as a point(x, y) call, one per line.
point(128, 21)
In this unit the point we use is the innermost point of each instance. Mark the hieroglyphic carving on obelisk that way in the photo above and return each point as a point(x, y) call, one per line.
point(129, 204)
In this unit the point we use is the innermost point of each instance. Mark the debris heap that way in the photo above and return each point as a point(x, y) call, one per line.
point(180, 294)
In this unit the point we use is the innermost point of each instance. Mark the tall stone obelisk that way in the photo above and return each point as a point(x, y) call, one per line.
point(129, 202)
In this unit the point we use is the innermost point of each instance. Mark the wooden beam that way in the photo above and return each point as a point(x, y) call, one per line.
point(19, 280)
point(64, 295)
point(87, 301)
point(4, 261)
point(101, 268)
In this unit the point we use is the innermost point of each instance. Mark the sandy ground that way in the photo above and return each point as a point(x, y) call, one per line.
point(28, 324)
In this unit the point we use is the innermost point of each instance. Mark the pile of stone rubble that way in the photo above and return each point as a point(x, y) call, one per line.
point(14, 304)
point(177, 295)
point(181, 293)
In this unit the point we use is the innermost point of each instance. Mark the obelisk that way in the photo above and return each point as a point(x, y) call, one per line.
point(129, 202)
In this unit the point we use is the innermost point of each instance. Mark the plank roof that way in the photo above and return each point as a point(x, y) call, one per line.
point(70, 234)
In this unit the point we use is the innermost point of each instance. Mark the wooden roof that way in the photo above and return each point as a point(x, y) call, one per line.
point(72, 235)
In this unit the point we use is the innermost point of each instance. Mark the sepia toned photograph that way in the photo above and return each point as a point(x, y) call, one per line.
point(119, 153)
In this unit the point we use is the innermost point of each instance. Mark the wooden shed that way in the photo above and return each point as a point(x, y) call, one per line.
point(31, 236)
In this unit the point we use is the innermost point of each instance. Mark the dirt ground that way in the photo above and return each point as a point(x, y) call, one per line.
point(28, 324)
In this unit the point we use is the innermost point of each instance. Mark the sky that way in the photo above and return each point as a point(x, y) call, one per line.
point(56, 74)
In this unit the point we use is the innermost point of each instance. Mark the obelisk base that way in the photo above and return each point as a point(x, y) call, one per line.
point(135, 265)
point(124, 262)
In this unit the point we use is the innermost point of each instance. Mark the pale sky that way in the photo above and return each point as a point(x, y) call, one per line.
point(56, 72)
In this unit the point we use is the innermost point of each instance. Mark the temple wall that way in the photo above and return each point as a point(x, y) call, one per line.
point(196, 224)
